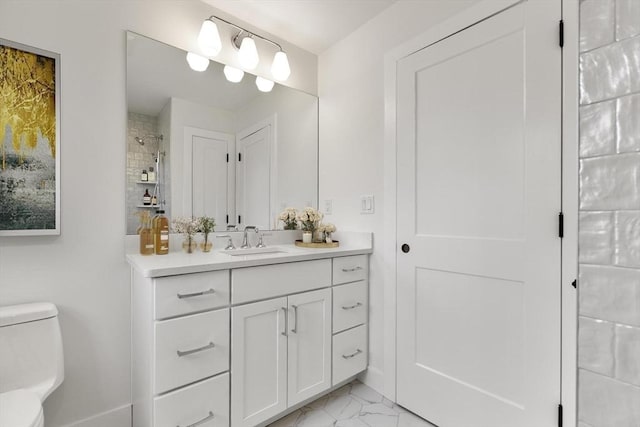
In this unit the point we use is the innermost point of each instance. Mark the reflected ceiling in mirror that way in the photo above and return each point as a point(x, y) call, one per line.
point(271, 140)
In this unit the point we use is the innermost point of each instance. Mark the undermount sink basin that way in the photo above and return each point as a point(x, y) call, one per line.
point(252, 251)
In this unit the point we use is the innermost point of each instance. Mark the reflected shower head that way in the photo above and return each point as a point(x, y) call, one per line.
point(155, 137)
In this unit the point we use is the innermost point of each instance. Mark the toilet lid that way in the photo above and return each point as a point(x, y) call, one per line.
point(20, 408)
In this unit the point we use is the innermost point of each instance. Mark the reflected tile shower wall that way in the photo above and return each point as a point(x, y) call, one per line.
point(609, 291)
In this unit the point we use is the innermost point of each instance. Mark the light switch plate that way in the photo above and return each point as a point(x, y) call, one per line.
point(328, 207)
point(366, 204)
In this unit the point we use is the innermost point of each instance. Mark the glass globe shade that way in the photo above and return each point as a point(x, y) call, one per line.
point(264, 85)
point(209, 38)
point(280, 66)
point(197, 62)
point(233, 74)
point(248, 54)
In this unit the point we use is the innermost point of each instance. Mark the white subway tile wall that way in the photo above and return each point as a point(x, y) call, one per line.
point(609, 238)
point(139, 157)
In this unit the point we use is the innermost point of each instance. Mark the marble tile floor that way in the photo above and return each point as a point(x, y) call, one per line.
point(353, 405)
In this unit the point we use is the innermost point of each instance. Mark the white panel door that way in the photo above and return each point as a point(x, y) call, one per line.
point(309, 344)
point(209, 184)
point(478, 339)
point(209, 174)
point(258, 361)
point(254, 179)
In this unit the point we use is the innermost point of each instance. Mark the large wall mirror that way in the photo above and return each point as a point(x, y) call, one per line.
point(199, 144)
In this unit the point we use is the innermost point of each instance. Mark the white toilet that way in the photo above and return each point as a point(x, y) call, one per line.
point(31, 362)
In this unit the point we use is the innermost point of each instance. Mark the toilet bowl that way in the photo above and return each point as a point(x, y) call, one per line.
point(31, 362)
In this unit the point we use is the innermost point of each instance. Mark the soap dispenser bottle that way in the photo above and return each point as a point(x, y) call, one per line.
point(161, 233)
point(146, 198)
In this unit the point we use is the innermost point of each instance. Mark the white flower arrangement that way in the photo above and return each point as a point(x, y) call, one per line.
point(186, 226)
point(309, 218)
point(327, 228)
point(290, 218)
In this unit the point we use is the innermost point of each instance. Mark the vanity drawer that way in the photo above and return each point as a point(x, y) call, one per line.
point(268, 281)
point(349, 353)
point(350, 269)
point(189, 293)
point(207, 400)
point(349, 305)
point(190, 348)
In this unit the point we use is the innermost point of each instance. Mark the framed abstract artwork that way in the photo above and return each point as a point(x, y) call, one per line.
point(29, 141)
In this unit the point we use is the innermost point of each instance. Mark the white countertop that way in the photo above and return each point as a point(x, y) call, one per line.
point(180, 262)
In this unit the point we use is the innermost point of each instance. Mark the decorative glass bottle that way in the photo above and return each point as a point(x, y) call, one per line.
point(146, 234)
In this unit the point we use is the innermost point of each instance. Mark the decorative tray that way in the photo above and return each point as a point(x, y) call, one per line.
point(318, 245)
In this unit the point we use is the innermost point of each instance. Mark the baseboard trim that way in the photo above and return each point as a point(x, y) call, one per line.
point(117, 417)
point(374, 378)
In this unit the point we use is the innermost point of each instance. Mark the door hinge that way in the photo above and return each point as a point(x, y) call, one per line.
point(561, 225)
point(227, 157)
point(239, 157)
point(561, 33)
point(560, 418)
point(575, 283)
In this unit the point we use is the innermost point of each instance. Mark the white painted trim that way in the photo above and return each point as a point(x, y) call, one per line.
point(466, 18)
point(374, 378)
point(271, 121)
point(117, 417)
point(570, 200)
point(458, 22)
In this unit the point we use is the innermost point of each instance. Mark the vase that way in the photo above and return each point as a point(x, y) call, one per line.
point(327, 238)
point(307, 237)
point(318, 236)
point(206, 245)
point(189, 245)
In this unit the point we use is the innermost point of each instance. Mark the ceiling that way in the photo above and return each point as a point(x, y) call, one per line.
point(313, 25)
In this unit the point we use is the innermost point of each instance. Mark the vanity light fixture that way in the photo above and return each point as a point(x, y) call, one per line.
point(264, 85)
point(233, 74)
point(211, 45)
point(197, 62)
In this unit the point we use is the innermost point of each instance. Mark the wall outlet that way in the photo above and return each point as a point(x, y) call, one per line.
point(328, 207)
point(366, 204)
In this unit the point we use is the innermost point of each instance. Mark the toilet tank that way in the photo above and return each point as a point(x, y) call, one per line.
point(31, 354)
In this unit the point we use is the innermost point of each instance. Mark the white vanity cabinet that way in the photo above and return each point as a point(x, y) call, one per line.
point(350, 313)
point(180, 349)
point(281, 347)
point(243, 345)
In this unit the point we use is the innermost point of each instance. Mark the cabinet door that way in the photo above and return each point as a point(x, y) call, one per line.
point(258, 361)
point(309, 329)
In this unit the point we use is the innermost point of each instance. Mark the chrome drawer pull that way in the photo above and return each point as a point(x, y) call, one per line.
point(195, 350)
point(284, 312)
point(350, 307)
point(295, 319)
point(349, 356)
point(202, 421)
point(352, 269)
point(196, 294)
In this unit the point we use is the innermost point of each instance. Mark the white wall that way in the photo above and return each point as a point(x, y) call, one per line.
point(351, 90)
point(83, 271)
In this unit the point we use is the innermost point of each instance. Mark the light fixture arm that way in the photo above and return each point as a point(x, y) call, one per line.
point(243, 30)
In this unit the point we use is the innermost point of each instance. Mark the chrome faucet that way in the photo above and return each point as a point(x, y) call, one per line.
point(229, 246)
point(245, 242)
